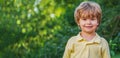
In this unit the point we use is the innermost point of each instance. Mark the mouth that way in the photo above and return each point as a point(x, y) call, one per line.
point(88, 26)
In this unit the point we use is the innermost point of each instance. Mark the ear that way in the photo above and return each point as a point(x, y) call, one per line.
point(78, 22)
point(97, 23)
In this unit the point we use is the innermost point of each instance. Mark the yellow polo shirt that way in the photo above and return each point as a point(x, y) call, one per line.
point(77, 47)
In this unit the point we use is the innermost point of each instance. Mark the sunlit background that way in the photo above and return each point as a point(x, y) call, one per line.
point(41, 28)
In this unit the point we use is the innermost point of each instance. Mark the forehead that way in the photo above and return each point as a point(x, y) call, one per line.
point(88, 14)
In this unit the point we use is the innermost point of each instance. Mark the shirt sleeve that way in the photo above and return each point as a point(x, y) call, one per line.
point(68, 49)
point(105, 50)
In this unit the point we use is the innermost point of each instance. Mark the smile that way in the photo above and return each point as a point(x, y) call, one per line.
point(88, 26)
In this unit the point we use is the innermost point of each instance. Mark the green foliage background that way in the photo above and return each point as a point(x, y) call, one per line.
point(41, 28)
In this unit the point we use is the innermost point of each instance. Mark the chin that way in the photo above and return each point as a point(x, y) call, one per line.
point(89, 31)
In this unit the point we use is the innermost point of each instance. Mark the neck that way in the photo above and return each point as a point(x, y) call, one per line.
point(88, 36)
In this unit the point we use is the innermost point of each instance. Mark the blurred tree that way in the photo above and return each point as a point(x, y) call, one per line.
point(41, 28)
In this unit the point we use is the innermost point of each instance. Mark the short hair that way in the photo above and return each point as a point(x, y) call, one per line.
point(88, 9)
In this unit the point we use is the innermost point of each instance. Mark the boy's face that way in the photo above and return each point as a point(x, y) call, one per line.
point(88, 25)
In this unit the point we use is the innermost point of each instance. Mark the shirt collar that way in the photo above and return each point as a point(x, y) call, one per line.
point(96, 39)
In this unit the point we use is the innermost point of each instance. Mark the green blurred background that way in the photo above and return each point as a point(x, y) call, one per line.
point(41, 28)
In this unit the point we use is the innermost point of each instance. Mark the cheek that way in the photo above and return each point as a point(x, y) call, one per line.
point(95, 23)
point(81, 22)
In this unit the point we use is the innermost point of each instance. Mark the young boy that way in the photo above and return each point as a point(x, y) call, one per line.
point(87, 44)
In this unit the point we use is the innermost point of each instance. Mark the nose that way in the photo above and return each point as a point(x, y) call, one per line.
point(88, 21)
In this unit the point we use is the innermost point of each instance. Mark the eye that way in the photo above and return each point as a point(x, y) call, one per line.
point(84, 19)
point(92, 19)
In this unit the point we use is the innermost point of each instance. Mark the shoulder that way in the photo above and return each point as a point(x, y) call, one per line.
point(104, 42)
point(70, 42)
point(72, 39)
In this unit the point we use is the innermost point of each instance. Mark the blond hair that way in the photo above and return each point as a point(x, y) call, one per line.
point(88, 9)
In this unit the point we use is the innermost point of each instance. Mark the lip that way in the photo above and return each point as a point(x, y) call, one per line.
point(88, 26)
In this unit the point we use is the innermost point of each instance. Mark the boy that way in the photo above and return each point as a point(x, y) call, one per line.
point(87, 44)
